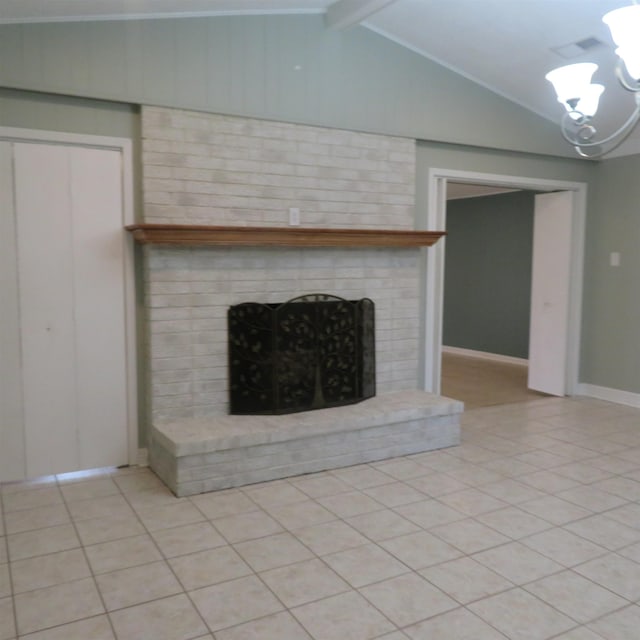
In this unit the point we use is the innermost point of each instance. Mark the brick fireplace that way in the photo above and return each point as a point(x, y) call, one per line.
point(204, 169)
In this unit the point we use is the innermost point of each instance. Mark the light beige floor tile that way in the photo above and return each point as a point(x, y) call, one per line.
point(543, 459)
point(96, 628)
point(109, 528)
point(408, 599)
point(304, 582)
point(401, 468)
point(579, 633)
point(278, 626)
point(49, 570)
point(472, 502)
point(437, 484)
point(622, 487)
point(121, 554)
point(555, 510)
point(362, 477)
point(582, 472)
point(382, 525)
point(106, 506)
point(364, 565)
point(628, 514)
point(349, 504)
point(172, 618)
point(514, 522)
point(5, 581)
point(517, 563)
point(548, 481)
point(591, 498)
point(89, 489)
point(300, 514)
point(320, 485)
point(576, 596)
point(564, 547)
point(329, 537)
point(169, 515)
point(458, 624)
point(273, 551)
point(511, 491)
point(394, 635)
point(614, 572)
point(621, 625)
point(394, 494)
point(231, 603)
point(178, 541)
point(474, 475)
point(632, 552)
point(220, 504)
point(60, 604)
point(469, 535)
point(7, 620)
point(604, 531)
point(420, 550)
point(40, 542)
point(613, 464)
point(246, 526)
point(39, 518)
point(33, 484)
point(466, 580)
point(4, 554)
point(429, 513)
point(136, 585)
point(156, 497)
point(275, 493)
point(208, 567)
point(45, 497)
point(521, 616)
point(135, 482)
point(509, 467)
point(347, 616)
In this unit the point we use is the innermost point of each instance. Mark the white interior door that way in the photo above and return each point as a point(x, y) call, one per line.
point(69, 254)
point(550, 292)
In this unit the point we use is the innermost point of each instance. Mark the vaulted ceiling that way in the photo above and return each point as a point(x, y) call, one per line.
point(505, 45)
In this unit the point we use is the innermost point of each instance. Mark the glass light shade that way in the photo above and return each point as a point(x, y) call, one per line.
point(624, 25)
point(571, 82)
point(588, 103)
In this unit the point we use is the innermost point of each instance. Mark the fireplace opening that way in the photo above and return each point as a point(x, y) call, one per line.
point(311, 352)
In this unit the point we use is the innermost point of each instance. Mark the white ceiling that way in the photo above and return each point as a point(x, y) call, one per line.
point(504, 45)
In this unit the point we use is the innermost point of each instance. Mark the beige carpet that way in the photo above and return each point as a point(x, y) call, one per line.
point(482, 383)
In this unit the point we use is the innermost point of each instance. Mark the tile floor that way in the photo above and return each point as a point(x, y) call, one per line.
point(529, 530)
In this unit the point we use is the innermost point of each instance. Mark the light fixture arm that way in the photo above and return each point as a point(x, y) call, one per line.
point(577, 131)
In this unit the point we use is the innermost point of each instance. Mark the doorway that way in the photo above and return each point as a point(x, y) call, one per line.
point(68, 399)
point(434, 281)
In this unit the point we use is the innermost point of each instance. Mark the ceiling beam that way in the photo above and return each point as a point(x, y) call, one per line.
point(348, 13)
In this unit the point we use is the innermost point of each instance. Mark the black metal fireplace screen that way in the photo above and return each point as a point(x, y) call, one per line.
point(312, 352)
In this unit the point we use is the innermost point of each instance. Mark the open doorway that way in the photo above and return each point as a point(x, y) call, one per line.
point(435, 264)
point(487, 294)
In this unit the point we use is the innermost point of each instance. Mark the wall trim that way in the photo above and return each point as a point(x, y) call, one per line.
point(611, 395)
point(434, 281)
point(485, 355)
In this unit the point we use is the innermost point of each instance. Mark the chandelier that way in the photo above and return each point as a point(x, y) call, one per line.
point(580, 98)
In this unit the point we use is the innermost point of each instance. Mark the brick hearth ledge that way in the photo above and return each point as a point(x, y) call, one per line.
point(195, 455)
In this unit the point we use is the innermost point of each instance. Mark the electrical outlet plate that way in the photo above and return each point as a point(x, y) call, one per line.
point(294, 217)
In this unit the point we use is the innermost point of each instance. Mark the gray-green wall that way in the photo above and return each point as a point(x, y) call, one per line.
point(487, 278)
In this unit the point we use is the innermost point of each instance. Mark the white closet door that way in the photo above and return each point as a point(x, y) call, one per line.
point(71, 296)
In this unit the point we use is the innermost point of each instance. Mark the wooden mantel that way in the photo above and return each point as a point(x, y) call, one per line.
point(194, 235)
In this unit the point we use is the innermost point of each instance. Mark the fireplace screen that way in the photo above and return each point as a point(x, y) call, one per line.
point(312, 352)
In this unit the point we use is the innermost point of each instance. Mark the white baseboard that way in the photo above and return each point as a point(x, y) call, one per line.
point(611, 395)
point(143, 458)
point(471, 353)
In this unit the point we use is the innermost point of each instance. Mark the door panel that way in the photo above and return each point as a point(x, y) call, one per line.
point(550, 287)
point(71, 293)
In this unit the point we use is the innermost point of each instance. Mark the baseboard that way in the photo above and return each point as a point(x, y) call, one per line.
point(471, 353)
point(611, 395)
point(143, 457)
